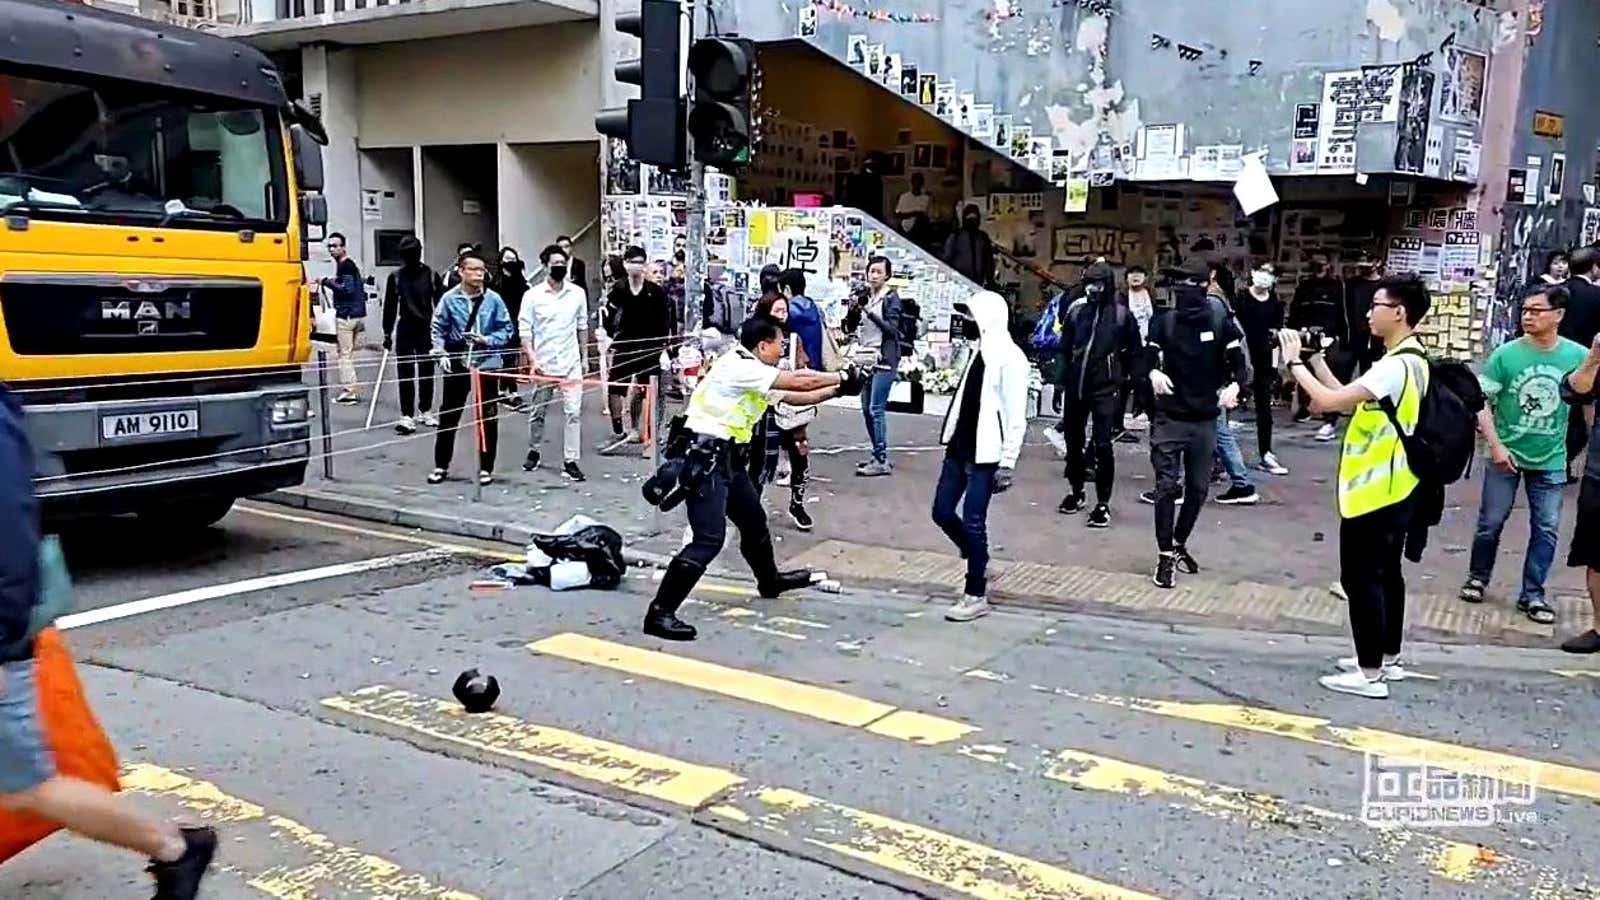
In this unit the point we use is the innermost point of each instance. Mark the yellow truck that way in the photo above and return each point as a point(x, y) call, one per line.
point(156, 190)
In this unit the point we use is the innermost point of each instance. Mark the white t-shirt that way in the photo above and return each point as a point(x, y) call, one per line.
point(553, 318)
point(910, 205)
point(714, 408)
point(1386, 379)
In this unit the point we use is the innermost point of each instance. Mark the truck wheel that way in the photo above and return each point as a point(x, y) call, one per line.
point(188, 515)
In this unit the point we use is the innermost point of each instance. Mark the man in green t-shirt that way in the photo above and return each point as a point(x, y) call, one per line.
point(1525, 426)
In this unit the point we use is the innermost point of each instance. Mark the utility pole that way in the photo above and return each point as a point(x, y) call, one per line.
point(694, 259)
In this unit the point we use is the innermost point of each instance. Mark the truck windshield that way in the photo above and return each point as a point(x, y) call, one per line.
point(129, 153)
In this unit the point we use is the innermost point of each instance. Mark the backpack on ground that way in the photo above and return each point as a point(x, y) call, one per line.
point(1047, 334)
point(1441, 448)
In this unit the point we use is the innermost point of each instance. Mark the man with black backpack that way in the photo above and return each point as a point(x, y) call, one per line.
point(1099, 347)
point(1412, 431)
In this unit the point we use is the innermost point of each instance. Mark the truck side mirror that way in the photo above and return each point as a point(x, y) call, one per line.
point(307, 158)
point(314, 210)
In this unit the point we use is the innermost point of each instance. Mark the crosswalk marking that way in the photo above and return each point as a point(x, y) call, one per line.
point(333, 870)
point(1447, 859)
point(855, 840)
point(1538, 774)
point(791, 696)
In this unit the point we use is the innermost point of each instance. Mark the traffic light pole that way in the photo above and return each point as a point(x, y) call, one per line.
point(694, 275)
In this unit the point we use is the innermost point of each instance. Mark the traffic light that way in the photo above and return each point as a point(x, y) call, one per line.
point(653, 124)
point(724, 71)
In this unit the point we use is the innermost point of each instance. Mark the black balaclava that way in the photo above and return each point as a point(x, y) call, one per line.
point(1099, 284)
point(411, 252)
point(970, 219)
point(1191, 301)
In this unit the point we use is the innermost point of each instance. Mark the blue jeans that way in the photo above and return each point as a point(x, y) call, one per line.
point(1228, 453)
point(874, 411)
point(969, 530)
point(1544, 490)
point(25, 759)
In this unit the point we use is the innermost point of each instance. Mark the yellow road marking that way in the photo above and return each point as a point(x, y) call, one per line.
point(635, 771)
point(796, 697)
point(861, 841)
point(921, 853)
point(333, 870)
point(1508, 767)
point(1447, 859)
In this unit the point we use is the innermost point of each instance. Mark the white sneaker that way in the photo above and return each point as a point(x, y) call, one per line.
point(406, 425)
point(1356, 683)
point(1057, 440)
point(968, 608)
point(1270, 464)
point(1326, 433)
point(1395, 671)
point(430, 420)
point(781, 479)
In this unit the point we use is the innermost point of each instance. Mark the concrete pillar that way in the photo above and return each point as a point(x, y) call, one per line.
point(330, 75)
point(1500, 118)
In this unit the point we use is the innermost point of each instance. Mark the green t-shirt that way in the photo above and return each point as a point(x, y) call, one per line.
point(1523, 385)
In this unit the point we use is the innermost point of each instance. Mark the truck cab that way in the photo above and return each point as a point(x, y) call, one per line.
point(156, 191)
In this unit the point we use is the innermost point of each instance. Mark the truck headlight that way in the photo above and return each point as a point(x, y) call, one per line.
point(289, 411)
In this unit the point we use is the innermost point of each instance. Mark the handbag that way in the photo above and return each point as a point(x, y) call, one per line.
point(832, 360)
point(75, 738)
point(785, 416)
point(324, 321)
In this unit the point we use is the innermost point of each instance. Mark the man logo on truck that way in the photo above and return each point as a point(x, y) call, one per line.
point(147, 313)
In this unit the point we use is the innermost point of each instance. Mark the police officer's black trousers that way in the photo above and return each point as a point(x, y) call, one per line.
point(726, 495)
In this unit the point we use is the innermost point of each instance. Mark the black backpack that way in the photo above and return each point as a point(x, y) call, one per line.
point(910, 319)
point(1441, 448)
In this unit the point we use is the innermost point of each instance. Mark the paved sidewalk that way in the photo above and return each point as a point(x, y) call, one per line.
point(1269, 565)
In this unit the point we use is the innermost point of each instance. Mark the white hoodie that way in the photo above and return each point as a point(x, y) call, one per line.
point(1003, 405)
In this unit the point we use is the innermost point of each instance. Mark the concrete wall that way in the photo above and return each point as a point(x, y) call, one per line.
point(1083, 78)
point(523, 85)
point(547, 190)
point(459, 201)
point(388, 174)
point(331, 76)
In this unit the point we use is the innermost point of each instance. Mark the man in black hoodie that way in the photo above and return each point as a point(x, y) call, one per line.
point(1195, 362)
point(1319, 302)
point(408, 301)
point(970, 250)
point(1100, 351)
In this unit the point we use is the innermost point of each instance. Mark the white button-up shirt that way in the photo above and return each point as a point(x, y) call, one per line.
point(553, 319)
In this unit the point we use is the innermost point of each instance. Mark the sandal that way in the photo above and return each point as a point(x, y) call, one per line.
point(1472, 591)
point(1538, 611)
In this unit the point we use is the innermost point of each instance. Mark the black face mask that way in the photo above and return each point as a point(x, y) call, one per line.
point(970, 223)
point(558, 272)
point(1189, 297)
point(411, 258)
point(514, 267)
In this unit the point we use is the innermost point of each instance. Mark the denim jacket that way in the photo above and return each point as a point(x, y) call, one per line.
point(450, 327)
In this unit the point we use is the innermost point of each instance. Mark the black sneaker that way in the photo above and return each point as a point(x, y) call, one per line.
point(1588, 642)
point(572, 471)
point(532, 462)
point(1239, 495)
point(1185, 560)
point(180, 880)
point(802, 519)
point(1100, 516)
point(1072, 504)
point(1164, 576)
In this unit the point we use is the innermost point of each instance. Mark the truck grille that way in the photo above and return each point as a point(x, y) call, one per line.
point(61, 314)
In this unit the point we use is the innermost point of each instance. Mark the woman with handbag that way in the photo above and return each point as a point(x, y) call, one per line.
point(792, 309)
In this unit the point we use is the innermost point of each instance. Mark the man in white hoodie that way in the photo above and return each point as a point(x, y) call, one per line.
point(982, 434)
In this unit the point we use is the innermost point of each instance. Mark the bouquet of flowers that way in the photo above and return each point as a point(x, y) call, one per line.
point(941, 381)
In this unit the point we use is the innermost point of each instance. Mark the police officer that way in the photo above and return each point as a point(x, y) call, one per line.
point(721, 418)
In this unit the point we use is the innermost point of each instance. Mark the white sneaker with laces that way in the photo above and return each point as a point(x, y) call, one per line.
point(968, 608)
point(1356, 683)
point(406, 425)
point(1395, 671)
point(430, 420)
point(1270, 464)
point(1326, 433)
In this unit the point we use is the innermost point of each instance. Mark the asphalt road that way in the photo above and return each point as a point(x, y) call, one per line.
point(288, 678)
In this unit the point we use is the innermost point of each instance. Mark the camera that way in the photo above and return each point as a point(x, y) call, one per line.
point(1313, 340)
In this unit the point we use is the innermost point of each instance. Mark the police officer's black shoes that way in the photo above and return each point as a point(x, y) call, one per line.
point(658, 622)
point(661, 620)
point(783, 582)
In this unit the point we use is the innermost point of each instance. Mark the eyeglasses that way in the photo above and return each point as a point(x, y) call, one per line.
point(1390, 305)
point(1537, 310)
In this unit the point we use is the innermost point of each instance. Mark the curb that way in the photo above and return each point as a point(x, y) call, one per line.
point(513, 534)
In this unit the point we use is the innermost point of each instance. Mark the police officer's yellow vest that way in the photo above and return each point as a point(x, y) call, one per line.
point(711, 411)
point(1373, 472)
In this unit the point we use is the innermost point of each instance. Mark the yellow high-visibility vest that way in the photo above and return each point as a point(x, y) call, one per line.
point(1373, 472)
point(716, 412)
